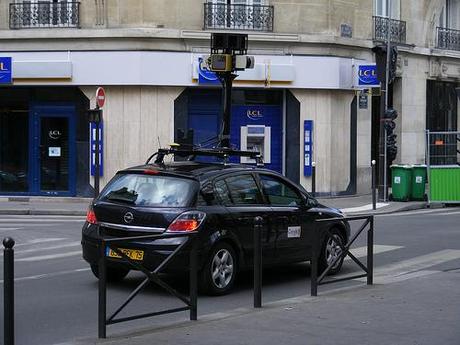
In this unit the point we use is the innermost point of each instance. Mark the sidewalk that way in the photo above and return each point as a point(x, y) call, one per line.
point(418, 311)
point(44, 206)
point(351, 205)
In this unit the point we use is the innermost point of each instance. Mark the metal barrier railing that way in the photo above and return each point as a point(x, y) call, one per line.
point(315, 280)
point(151, 276)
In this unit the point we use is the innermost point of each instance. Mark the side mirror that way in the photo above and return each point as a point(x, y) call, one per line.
point(311, 203)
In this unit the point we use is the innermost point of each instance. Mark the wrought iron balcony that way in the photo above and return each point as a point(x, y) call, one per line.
point(238, 17)
point(448, 39)
point(397, 30)
point(44, 14)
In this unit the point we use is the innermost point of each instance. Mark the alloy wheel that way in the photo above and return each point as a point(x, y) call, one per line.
point(222, 268)
point(333, 250)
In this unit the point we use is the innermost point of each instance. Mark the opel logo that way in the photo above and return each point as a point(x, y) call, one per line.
point(128, 217)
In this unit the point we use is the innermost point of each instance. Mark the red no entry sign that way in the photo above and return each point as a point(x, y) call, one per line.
point(100, 97)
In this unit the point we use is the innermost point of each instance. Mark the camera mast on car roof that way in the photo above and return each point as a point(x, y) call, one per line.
point(192, 153)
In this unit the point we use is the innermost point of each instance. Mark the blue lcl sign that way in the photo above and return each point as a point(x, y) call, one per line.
point(6, 70)
point(206, 76)
point(367, 76)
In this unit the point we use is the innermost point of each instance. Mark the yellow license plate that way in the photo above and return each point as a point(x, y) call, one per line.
point(133, 254)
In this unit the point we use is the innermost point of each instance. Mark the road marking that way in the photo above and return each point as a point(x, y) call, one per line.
point(9, 229)
point(413, 267)
point(40, 240)
point(447, 213)
point(360, 252)
point(49, 275)
point(64, 245)
point(49, 257)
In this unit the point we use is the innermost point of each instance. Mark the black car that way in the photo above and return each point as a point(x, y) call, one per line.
point(217, 200)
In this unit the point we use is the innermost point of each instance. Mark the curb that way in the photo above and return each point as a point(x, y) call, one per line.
point(405, 208)
point(42, 212)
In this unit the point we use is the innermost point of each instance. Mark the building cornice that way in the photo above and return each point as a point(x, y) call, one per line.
point(140, 38)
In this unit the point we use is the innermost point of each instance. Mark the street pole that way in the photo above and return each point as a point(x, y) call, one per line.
point(387, 76)
point(227, 84)
point(96, 158)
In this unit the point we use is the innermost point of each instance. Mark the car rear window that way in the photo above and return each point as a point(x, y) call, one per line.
point(150, 191)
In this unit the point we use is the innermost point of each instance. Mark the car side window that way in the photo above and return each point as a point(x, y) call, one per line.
point(279, 193)
point(243, 190)
point(221, 190)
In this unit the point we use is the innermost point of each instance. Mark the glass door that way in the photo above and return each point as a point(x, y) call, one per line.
point(53, 163)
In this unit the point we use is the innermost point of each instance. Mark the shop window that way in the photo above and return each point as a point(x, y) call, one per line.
point(14, 141)
point(442, 116)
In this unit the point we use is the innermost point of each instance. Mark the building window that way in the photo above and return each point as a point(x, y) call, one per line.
point(453, 14)
point(381, 10)
point(448, 31)
point(238, 14)
point(49, 13)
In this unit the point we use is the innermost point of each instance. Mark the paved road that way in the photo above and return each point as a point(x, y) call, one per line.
point(56, 294)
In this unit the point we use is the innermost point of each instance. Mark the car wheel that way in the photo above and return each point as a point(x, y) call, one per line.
point(219, 272)
point(330, 250)
point(114, 274)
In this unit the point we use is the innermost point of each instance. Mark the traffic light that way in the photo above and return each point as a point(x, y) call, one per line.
point(390, 124)
point(381, 62)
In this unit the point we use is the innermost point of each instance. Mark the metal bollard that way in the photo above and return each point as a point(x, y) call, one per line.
point(374, 191)
point(370, 253)
point(102, 309)
point(258, 262)
point(193, 281)
point(313, 178)
point(8, 290)
point(314, 264)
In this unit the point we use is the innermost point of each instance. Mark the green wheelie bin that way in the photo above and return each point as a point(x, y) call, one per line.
point(418, 182)
point(401, 182)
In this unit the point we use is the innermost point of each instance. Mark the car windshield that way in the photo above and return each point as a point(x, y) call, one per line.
point(150, 191)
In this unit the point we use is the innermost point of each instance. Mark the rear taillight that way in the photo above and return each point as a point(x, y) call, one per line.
point(187, 221)
point(91, 216)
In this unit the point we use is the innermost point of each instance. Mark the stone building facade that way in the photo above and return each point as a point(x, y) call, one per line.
point(146, 54)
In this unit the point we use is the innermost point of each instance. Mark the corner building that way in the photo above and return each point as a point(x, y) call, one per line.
point(299, 104)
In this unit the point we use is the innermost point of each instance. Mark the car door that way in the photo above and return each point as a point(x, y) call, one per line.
point(243, 199)
point(288, 217)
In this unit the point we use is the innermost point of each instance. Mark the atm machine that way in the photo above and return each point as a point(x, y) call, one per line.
point(256, 138)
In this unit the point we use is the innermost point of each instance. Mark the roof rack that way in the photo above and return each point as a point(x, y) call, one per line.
point(191, 153)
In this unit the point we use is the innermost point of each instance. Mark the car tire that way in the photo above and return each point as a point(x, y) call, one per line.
point(331, 249)
point(220, 269)
point(114, 274)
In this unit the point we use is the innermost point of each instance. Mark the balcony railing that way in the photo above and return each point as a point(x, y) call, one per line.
point(448, 39)
point(397, 30)
point(238, 17)
point(44, 14)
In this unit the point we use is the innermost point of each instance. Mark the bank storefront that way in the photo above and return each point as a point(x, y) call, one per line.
point(156, 98)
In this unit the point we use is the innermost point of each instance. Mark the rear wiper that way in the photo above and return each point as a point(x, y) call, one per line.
point(121, 198)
